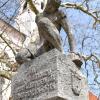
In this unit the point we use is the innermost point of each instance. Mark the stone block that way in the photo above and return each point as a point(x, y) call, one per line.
point(51, 76)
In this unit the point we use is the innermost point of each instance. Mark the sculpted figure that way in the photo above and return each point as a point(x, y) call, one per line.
point(49, 25)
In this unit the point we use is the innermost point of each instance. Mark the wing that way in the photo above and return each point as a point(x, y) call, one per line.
point(11, 31)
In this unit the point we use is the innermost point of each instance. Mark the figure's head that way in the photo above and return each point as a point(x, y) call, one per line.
point(52, 5)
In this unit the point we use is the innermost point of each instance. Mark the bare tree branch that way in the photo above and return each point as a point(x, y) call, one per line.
point(8, 44)
point(90, 57)
point(4, 4)
point(81, 8)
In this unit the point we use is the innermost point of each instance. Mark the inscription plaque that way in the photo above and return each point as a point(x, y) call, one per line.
point(48, 77)
point(36, 84)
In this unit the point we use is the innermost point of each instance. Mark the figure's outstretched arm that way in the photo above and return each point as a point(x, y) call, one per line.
point(49, 32)
point(12, 32)
point(65, 25)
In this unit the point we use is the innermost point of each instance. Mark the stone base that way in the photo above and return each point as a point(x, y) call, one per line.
point(51, 76)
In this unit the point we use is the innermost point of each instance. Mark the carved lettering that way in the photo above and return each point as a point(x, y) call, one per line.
point(37, 84)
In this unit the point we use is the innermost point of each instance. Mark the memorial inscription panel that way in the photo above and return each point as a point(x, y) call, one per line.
point(52, 76)
point(37, 83)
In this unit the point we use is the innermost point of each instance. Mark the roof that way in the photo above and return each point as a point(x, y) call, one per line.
point(92, 96)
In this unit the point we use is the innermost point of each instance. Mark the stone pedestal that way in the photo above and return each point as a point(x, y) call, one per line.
point(51, 76)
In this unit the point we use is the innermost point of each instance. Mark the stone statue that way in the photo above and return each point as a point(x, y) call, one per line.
point(49, 25)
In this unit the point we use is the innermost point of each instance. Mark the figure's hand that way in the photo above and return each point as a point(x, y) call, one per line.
point(20, 59)
point(23, 56)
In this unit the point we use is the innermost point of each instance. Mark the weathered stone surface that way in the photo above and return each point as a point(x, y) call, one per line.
point(51, 76)
point(1, 85)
